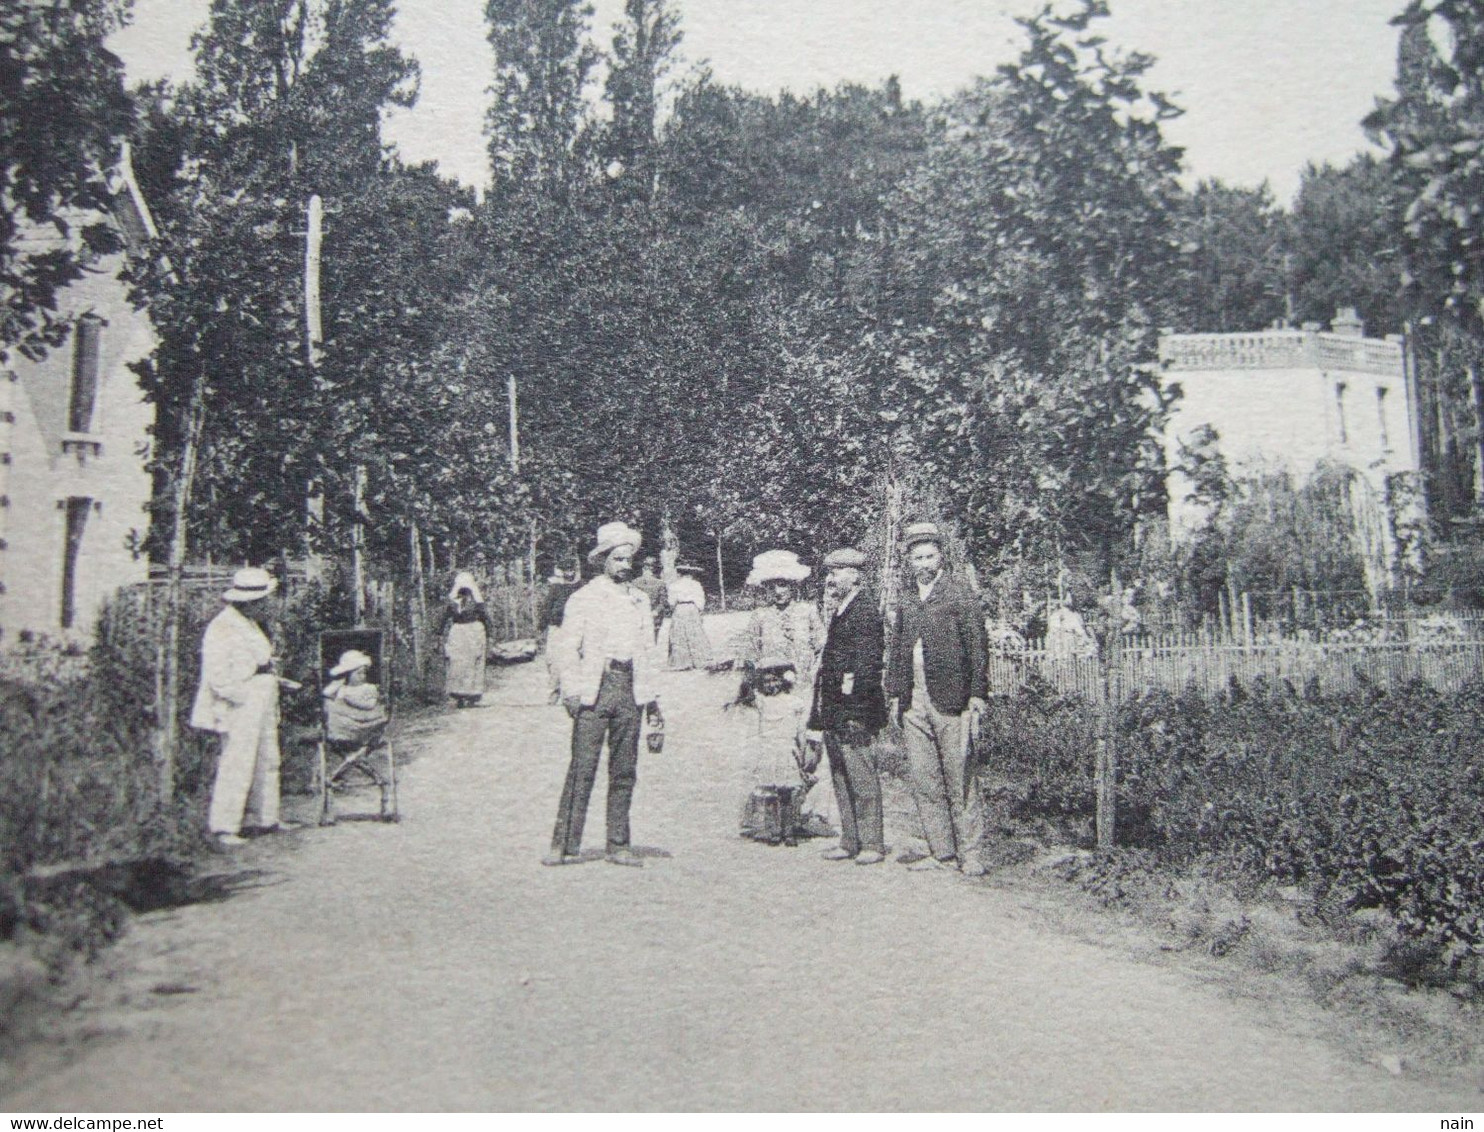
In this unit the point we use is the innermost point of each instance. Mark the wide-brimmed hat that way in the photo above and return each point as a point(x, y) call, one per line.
point(350, 660)
point(687, 568)
point(921, 532)
point(611, 536)
point(250, 584)
point(777, 566)
point(844, 556)
point(464, 580)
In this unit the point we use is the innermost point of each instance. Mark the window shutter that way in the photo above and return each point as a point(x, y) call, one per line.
point(85, 361)
point(77, 521)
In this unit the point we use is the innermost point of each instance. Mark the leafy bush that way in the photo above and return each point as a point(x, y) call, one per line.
point(1371, 799)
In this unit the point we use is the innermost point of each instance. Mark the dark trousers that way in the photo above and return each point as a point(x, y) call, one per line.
point(857, 791)
point(616, 717)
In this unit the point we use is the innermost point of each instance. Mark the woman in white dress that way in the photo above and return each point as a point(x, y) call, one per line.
point(789, 626)
point(689, 647)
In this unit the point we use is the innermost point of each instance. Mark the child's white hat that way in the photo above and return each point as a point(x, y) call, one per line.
point(350, 661)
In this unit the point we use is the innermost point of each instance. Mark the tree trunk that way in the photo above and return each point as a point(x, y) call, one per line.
point(167, 644)
point(1476, 402)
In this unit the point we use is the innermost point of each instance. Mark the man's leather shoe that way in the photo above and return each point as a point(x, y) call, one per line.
point(911, 857)
point(870, 857)
point(837, 854)
point(561, 859)
point(625, 856)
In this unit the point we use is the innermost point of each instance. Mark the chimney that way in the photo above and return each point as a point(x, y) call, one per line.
point(1347, 324)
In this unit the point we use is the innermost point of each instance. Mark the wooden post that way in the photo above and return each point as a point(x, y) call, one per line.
point(721, 577)
point(415, 612)
point(531, 589)
point(357, 535)
point(514, 423)
point(1105, 775)
point(1246, 618)
point(167, 645)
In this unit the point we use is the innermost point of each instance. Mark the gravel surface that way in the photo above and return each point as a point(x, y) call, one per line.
point(435, 964)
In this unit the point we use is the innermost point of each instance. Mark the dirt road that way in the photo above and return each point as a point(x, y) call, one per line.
point(436, 965)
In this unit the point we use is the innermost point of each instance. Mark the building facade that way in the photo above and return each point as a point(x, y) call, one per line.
point(1291, 400)
point(74, 450)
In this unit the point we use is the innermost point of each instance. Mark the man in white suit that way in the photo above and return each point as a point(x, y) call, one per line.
point(238, 699)
point(605, 663)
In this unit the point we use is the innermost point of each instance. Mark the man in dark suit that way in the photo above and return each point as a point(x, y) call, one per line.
point(850, 709)
point(938, 680)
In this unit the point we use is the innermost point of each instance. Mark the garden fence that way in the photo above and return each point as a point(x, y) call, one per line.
point(1177, 663)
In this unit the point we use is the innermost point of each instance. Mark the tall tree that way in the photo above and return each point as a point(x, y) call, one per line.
point(542, 65)
point(644, 42)
point(63, 112)
point(1347, 244)
point(1435, 127)
point(1033, 260)
point(286, 103)
point(1234, 246)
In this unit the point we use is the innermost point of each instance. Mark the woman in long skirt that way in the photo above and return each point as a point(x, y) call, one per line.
point(469, 629)
point(689, 647)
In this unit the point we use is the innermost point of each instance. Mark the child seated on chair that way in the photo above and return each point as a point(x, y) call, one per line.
point(354, 716)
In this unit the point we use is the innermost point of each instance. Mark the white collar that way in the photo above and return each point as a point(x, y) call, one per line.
point(844, 605)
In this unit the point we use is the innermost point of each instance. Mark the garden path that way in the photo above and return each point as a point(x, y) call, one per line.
point(434, 964)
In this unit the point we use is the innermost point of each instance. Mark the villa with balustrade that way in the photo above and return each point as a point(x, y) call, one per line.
point(1292, 399)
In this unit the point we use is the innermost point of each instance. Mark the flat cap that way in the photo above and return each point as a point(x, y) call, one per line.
point(845, 556)
point(921, 532)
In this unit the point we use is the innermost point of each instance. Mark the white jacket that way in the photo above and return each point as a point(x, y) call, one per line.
point(233, 649)
point(600, 619)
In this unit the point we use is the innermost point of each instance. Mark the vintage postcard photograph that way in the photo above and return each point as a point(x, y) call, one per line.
point(741, 556)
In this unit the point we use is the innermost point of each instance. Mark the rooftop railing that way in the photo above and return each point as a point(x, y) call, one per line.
point(1281, 349)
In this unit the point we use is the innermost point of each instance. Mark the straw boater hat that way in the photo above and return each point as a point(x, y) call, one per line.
point(922, 532)
point(777, 566)
point(249, 584)
point(845, 556)
point(350, 660)
point(611, 536)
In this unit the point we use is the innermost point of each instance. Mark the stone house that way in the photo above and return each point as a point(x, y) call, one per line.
point(74, 446)
point(1292, 399)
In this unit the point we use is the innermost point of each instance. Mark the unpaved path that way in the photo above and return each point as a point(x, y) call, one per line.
point(435, 964)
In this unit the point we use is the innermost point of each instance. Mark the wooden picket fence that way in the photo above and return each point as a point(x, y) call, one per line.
point(1177, 663)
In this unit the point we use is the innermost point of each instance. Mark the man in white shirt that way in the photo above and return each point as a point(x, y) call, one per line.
point(605, 667)
point(238, 699)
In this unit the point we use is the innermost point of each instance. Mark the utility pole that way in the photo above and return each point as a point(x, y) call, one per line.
point(314, 502)
point(313, 234)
